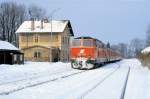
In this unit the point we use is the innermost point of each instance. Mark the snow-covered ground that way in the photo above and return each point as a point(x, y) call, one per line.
point(30, 70)
point(36, 80)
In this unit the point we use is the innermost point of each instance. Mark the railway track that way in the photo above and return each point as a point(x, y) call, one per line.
point(125, 85)
point(93, 79)
point(97, 84)
point(34, 81)
point(122, 93)
point(23, 84)
point(32, 76)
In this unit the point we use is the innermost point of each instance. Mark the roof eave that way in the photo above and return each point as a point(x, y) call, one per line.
point(71, 30)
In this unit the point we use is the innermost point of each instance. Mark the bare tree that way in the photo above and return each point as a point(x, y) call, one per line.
point(130, 50)
point(11, 16)
point(36, 12)
point(115, 48)
point(108, 45)
point(148, 36)
point(136, 45)
point(122, 48)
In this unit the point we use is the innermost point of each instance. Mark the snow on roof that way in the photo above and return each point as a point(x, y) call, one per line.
point(7, 46)
point(57, 26)
point(146, 50)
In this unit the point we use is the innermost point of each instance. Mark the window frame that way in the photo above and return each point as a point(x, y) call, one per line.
point(76, 43)
point(90, 43)
point(37, 54)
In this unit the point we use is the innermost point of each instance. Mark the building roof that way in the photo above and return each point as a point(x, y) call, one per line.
point(57, 26)
point(7, 46)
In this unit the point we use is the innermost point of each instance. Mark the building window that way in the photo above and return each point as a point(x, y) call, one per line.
point(44, 37)
point(15, 57)
point(21, 57)
point(68, 41)
point(37, 54)
point(63, 40)
point(54, 37)
point(36, 38)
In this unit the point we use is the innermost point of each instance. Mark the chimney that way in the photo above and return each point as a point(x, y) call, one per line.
point(42, 24)
point(32, 24)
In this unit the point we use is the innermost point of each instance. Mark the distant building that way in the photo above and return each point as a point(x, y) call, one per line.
point(144, 57)
point(9, 54)
point(37, 45)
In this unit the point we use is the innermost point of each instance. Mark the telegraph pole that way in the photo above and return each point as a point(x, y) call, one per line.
point(51, 34)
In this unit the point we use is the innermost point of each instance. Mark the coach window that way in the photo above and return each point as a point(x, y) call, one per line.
point(87, 43)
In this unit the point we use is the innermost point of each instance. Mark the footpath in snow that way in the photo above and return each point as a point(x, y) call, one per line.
point(59, 81)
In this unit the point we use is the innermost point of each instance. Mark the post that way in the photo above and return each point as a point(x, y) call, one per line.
point(51, 41)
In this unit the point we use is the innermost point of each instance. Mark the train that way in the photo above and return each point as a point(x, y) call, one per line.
point(89, 53)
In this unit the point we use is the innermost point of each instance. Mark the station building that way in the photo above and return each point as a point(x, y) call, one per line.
point(45, 41)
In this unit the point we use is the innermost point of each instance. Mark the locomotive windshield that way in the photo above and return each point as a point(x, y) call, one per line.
point(84, 42)
point(76, 43)
point(87, 43)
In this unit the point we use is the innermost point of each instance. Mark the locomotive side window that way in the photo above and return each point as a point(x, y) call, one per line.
point(99, 44)
point(76, 43)
point(87, 43)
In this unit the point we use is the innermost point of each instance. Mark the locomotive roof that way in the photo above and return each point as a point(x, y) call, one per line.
point(88, 37)
point(84, 37)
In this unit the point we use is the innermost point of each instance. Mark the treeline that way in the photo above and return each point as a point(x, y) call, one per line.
point(134, 48)
point(130, 50)
point(12, 15)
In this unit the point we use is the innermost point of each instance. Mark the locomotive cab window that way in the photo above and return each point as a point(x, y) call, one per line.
point(87, 43)
point(76, 43)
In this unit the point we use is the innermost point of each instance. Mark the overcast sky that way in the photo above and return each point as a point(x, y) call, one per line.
point(108, 20)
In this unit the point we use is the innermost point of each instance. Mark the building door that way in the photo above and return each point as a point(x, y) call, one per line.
point(37, 56)
point(1, 58)
point(55, 55)
point(9, 58)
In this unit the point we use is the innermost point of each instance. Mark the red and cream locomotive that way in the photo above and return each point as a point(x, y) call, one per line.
point(88, 53)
